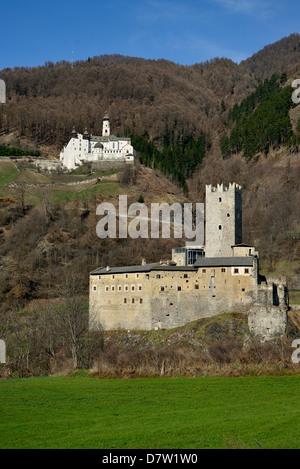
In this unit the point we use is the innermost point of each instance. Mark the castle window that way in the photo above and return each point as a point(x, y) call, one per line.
point(178, 288)
point(204, 271)
point(99, 277)
point(220, 200)
point(137, 275)
point(94, 288)
point(140, 287)
point(125, 300)
point(220, 227)
point(126, 288)
point(243, 289)
point(228, 215)
point(246, 271)
point(196, 287)
point(157, 276)
point(132, 301)
point(113, 288)
point(236, 271)
point(107, 288)
point(185, 276)
point(223, 271)
point(119, 288)
point(113, 277)
point(162, 288)
point(132, 287)
point(126, 275)
point(141, 300)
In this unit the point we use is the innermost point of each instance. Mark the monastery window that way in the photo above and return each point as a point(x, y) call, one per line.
point(220, 200)
point(113, 277)
point(126, 288)
point(107, 288)
point(196, 287)
point(132, 301)
point(236, 271)
point(125, 300)
point(178, 288)
point(119, 288)
point(126, 276)
point(132, 287)
point(157, 276)
point(140, 287)
point(228, 215)
point(220, 227)
point(141, 300)
point(243, 289)
point(137, 275)
point(94, 288)
point(185, 276)
point(223, 271)
point(246, 271)
point(204, 271)
point(99, 277)
point(113, 288)
point(162, 288)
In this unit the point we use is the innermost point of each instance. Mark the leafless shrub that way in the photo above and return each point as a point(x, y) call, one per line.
point(224, 352)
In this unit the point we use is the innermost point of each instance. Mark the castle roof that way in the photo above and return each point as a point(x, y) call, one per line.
point(138, 269)
point(201, 262)
point(224, 261)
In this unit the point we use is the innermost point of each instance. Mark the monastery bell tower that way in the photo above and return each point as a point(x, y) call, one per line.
point(106, 126)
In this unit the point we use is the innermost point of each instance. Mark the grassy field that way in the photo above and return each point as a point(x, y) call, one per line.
point(150, 413)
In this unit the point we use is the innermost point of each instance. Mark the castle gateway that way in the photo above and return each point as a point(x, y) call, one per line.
point(220, 277)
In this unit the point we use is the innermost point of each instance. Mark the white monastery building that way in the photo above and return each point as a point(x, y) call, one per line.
point(85, 148)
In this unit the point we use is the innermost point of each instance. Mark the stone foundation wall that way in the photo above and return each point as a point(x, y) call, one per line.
point(267, 322)
point(104, 166)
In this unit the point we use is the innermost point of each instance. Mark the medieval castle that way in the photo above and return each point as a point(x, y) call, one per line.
point(220, 277)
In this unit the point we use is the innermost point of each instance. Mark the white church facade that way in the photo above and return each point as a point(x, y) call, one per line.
point(85, 148)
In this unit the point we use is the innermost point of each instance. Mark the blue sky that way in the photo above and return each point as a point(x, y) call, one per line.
point(183, 31)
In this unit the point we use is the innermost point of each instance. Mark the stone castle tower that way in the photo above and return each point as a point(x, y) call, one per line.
point(223, 226)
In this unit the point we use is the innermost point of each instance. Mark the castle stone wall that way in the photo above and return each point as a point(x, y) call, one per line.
point(110, 165)
point(167, 299)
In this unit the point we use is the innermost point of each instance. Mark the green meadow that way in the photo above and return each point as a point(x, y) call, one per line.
point(179, 413)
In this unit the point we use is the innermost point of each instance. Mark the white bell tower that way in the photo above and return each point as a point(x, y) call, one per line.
point(106, 126)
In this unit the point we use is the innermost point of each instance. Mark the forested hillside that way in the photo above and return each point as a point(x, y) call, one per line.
point(274, 58)
point(261, 122)
point(207, 123)
point(44, 103)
